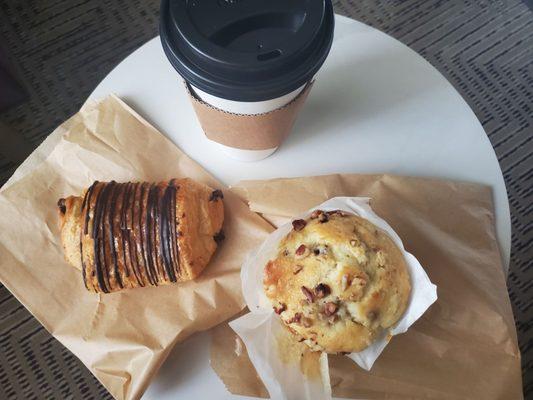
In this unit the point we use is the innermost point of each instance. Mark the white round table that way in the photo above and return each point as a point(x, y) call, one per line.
point(376, 107)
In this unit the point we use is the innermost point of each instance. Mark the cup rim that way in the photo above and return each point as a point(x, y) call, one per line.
point(235, 83)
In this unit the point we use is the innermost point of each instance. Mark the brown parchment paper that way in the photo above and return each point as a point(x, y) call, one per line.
point(465, 345)
point(248, 132)
point(122, 337)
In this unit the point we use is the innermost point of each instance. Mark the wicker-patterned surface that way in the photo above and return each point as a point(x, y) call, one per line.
point(61, 49)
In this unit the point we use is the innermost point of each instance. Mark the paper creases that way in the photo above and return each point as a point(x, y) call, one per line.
point(121, 337)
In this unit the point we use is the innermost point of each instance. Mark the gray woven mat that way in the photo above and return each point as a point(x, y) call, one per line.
point(60, 50)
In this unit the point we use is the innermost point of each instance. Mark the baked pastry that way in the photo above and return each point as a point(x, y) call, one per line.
point(337, 281)
point(128, 235)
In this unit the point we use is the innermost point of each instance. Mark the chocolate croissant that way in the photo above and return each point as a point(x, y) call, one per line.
point(136, 234)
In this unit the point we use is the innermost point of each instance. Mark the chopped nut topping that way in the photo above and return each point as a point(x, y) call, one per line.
point(302, 251)
point(359, 280)
point(354, 242)
point(344, 282)
point(330, 308)
point(323, 217)
point(318, 250)
point(271, 288)
point(380, 258)
point(360, 254)
point(307, 322)
point(279, 309)
point(316, 214)
point(297, 317)
point(308, 294)
point(219, 237)
point(372, 315)
point(216, 194)
point(298, 224)
point(62, 206)
point(337, 212)
point(297, 268)
point(285, 252)
point(322, 290)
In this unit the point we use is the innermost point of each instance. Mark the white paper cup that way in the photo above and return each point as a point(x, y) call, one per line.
point(247, 108)
point(247, 55)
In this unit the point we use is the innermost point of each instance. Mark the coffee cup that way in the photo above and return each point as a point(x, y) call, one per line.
point(248, 65)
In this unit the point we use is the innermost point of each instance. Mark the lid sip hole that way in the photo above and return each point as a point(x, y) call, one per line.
point(269, 56)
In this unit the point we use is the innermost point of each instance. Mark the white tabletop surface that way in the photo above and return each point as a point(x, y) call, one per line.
point(376, 107)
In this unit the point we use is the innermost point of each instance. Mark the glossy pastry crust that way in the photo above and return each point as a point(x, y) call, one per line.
point(337, 282)
point(136, 234)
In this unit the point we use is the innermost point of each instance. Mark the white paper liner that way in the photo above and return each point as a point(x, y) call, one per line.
point(260, 328)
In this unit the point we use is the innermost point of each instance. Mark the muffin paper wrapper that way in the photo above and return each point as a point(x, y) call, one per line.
point(262, 329)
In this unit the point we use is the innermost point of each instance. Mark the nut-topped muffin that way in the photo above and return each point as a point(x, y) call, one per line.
point(337, 281)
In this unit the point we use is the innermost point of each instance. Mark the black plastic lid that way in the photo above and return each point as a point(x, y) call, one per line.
point(247, 50)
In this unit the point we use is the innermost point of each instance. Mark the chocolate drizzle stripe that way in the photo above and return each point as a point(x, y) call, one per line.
point(173, 226)
point(95, 193)
point(124, 191)
point(131, 232)
point(156, 241)
point(87, 204)
point(148, 233)
point(91, 226)
point(103, 234)
point(165, 237)
point(172, 237)
point(95, 228)
point(137, 236)
point(111, 237)
point(134, 228)
point(156, 224)
point(125, 234)
point(170, 191)
point(152, 233)
point(86, 198)
point(83, 269)
point(142, 233)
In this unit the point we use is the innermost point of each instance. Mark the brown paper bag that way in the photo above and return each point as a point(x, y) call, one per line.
point(122, 337)
point(465, 345)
